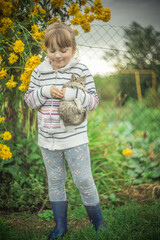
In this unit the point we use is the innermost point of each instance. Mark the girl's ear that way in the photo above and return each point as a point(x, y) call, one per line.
point(74, 51)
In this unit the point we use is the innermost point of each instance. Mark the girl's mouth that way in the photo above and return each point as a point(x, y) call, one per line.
point(58, 60)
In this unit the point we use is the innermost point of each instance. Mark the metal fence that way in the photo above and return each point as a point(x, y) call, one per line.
point(128, 92)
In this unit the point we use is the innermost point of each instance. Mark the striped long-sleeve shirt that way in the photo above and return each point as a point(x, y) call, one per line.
point(51, 133)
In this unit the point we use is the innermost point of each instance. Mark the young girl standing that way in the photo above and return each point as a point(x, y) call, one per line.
point(57, 144)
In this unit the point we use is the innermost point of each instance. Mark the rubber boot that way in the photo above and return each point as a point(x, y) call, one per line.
point(60, 216)
point(95, 216)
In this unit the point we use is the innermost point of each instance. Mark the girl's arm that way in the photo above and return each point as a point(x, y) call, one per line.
point(36, 95)
point(88, 98)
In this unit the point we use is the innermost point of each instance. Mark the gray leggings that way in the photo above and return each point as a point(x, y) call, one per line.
point(78, 159)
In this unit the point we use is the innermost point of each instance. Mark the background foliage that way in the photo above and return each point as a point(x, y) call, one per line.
point(142, 47)
point(124, 152)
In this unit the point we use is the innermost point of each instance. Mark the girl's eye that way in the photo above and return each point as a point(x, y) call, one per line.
point(52, 51)
point(63, 50)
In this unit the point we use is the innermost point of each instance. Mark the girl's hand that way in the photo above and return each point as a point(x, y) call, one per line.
point(63, 91)
point(56, 93)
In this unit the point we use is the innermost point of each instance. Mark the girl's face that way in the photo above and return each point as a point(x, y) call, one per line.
point(59, 57)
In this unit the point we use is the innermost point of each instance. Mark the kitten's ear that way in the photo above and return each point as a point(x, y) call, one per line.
point(73, 78)
point(83, 78)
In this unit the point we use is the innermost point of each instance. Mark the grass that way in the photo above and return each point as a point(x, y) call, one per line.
point(129, 222)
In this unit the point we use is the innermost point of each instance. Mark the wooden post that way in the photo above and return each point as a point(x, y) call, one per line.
point(153, 81)
point(136, 72)
point(138, 85)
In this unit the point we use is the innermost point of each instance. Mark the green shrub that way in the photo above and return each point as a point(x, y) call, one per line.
point(152, 98)
point(23, 184)
point(107, 86)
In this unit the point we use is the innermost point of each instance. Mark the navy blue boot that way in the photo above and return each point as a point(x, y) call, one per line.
point(60, 216)
point(95, 216)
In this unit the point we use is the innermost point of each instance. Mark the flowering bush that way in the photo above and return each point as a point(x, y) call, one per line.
point(5, 152)
point(22, 27)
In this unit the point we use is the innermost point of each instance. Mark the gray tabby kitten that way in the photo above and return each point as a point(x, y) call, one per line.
point(72, 112)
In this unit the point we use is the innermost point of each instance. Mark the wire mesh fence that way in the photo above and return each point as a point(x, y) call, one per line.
point(125, 65)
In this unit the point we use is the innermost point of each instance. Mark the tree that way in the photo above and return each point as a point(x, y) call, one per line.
point(142, 47)
point(142, 51)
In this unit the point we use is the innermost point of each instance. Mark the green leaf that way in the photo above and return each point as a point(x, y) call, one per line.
point(13, 170)
point(138, 181)
point(156, 173)
point(131, 173)
point(35, 156)
point(112, 196)
point(40, 161)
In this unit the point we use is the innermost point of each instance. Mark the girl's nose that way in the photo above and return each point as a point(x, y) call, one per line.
point(57, 54)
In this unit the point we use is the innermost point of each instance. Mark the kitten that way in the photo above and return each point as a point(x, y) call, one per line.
point(72, 112)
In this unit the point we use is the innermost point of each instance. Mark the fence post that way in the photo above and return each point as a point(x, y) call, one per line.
point(153, 80)
point(138, 85)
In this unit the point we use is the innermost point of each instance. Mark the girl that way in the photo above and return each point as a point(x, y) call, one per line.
point(56, 143)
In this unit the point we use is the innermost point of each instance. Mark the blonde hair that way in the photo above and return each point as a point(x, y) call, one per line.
point(62, 33)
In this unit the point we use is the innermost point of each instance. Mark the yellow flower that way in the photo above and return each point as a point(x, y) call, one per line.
point(23, 88)
point(33, 62)
point(77, 19)
point(106, 16)
point(29, 67)
point(11, 83)
point(7, 8)
point(86, 26)
point(10, 49)
point(87, 9)
point(0, 58)
point(5, 24)
point(6, 136)
point(25, 79)
point(18, 46)
point(101, 13)
point(57, 4)
point(3, 73)
point(37, 35)
point(53, 20)
point(127, 152)
point(83, 2)
point(5, 152)
point(35, 28)
point(37, 9)
point(12, 58)
point(2, 119)
point(90, 18)
point(73, 9)
point(82, 20)
point(76, 31)
point(98, 4)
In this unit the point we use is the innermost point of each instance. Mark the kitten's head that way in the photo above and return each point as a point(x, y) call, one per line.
point(79, 80)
